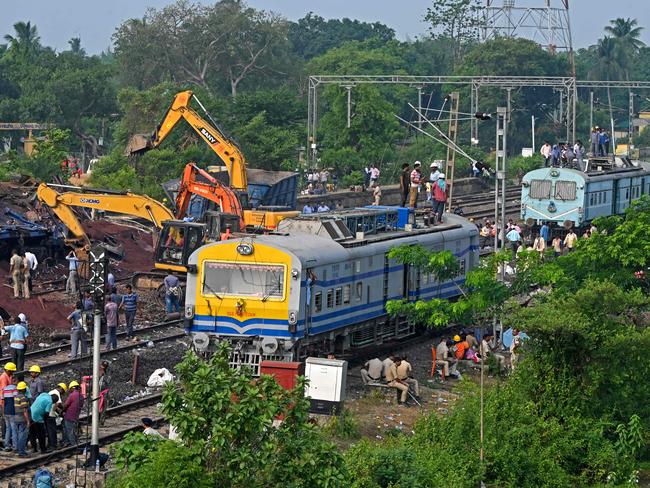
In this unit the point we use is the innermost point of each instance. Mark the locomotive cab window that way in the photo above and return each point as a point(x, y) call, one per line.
point(540, 189)
point(565, 190)
point(241, 279)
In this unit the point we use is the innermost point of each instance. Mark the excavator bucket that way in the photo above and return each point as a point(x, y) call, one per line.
point(138, 143)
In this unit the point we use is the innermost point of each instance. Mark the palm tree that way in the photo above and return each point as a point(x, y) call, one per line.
point(26, 41)
point(75, 46)
point(626, 34)
point(608, 64)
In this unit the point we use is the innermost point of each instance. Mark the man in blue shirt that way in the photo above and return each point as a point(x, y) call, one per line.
point(172, 293)
point(545, 233)
point(18, 335)
point(513, 238)
point(71, 284)
point(129, 305)
point(307, 209)
point(77, 332)
point(41, 406)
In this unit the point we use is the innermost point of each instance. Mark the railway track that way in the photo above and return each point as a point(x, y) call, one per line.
point(54, 357)
point(120, 420)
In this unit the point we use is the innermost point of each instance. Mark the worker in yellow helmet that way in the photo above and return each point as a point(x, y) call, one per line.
point(71, 411)
point(6, 378)
point(21, 419)
point(36, 386)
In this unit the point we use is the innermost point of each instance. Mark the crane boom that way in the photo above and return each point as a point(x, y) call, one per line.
point(218, 141)
point(128, 203)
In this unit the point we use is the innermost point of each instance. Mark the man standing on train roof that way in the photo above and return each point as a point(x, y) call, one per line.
point(404, 183)
point(415, 180)
point(545, 151)
point(595, 138)
point(435, 172)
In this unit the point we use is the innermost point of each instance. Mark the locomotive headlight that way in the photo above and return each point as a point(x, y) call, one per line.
point(293, 317)
point(295, 274)
point(189, 311)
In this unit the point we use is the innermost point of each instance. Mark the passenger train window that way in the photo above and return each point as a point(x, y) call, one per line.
point(425, 278)
point(330, 298)
point(565, 190)
point(462, 267)
point(318, 302)
point(346, 294)
point(335, 271)
point(359, 291)
point(338, 295)
point(357, 266)
point(370, 261)
point(591, 199)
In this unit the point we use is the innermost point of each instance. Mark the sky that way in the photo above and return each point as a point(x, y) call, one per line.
point(94, 21)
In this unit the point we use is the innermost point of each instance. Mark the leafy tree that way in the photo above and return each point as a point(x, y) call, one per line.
point(313, 36)
point(627, 35)
point(212, 47)
point(45, 162)
point(458, 20)
point(225, 420)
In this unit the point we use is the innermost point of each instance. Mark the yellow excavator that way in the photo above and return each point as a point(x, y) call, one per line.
point(223, 146)
point(175, 241)
point(127, 203)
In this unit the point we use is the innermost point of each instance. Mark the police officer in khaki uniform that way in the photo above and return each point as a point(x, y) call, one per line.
point(394, 381)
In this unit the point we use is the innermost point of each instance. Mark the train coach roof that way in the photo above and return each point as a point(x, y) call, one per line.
point(592, 176)
point(310, 248)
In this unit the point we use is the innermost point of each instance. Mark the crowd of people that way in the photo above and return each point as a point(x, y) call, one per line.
point(320, 182)
point(563, 154)
point(45, 417)
point(541, 241)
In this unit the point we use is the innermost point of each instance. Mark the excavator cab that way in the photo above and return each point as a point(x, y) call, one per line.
point(178, 239)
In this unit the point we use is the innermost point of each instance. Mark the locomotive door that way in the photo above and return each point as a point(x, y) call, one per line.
point(409, 283)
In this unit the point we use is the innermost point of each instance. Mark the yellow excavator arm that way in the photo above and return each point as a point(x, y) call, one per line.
point(123, 203)
point(221, 144)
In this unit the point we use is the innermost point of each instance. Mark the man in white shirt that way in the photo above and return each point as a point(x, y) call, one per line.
point(32, 263)
point(545, 151)
point(372, 371)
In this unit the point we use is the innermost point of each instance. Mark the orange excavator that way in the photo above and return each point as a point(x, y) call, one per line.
point(224, 147)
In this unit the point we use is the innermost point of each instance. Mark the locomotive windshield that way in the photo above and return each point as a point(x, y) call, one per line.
point(243, 279)
point(565, 190)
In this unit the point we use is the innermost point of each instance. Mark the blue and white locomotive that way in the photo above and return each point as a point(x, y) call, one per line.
point(313, 287)
point(574, 198)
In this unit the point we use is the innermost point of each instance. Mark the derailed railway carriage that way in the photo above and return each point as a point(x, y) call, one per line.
point(315, 289)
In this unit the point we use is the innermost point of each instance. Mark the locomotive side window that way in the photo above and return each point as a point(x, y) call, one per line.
point(565, 190)
point(338, 296)
point(241, 279)
point(359, 291)
point(330, 298)
point(540, 189)
point(346, 294)
point(318, 302)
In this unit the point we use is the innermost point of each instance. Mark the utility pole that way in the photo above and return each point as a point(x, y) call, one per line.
point(629, 126)
point(452, 136)
point(532, 130)
point(98, 273)
point(591, 110)
point(349, 89)
point(500, 180)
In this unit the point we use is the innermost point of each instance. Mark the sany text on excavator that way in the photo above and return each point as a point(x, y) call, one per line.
point(222, 145)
